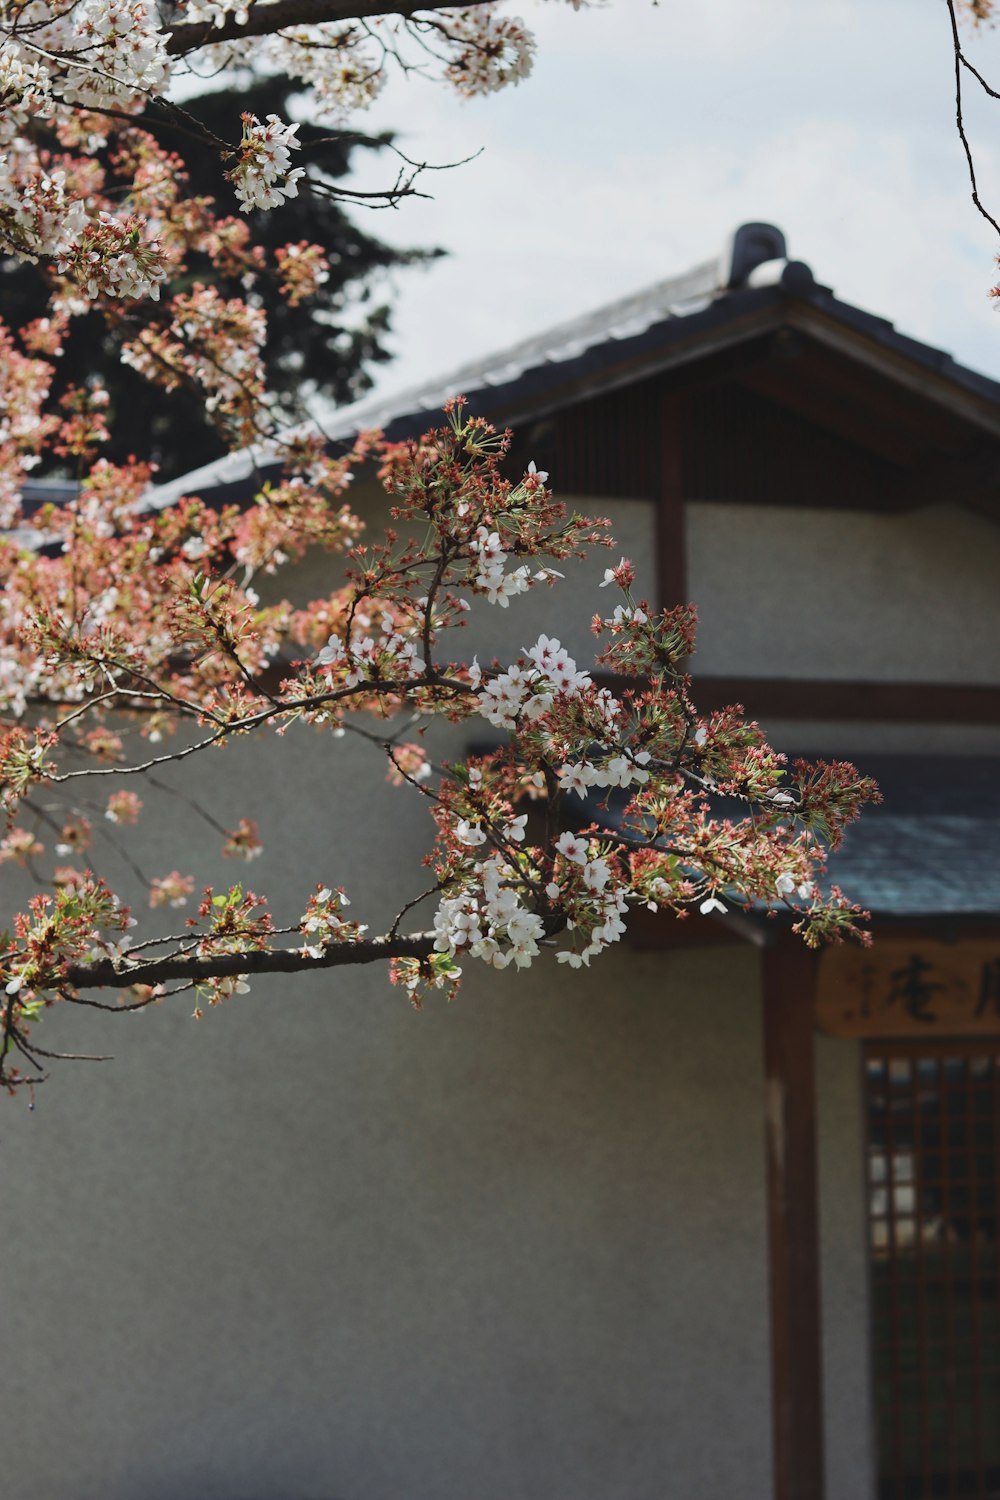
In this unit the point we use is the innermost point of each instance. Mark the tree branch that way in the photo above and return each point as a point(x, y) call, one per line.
point(105, 973)
point(960, 62)
point(265, 19)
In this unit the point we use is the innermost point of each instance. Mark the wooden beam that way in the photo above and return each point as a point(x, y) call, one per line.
point(897, 366)
point(973, 481)
point(826, 698)
point(803, 392)
point(789, 974)
point(671, 521)
point(664, 930)
point(836, 392)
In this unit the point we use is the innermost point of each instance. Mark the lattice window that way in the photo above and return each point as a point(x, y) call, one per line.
point(934, 1194)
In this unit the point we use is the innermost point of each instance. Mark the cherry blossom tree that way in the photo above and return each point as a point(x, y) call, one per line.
point(318, 349)
point(133, 636)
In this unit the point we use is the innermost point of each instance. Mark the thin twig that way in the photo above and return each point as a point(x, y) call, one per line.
point(959, 63)
point(294, 706)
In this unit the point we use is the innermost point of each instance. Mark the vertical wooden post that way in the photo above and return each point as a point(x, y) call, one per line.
point(671, 527)
point(793, 1221)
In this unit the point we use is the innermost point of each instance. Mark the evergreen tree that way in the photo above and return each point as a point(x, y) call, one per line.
point(325, 346)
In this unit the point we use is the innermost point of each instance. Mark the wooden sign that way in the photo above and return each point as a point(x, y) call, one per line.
point(910, 989)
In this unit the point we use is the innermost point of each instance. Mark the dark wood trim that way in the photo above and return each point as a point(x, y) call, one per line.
point(789, 980)
point(671, 521)
point(745, 446)
point(823, 698)
point(805, 698)
point(835, 392)
point(835, 698)
point(662, 930)
point(897, 367)
point(943, 927)
point(527, 401)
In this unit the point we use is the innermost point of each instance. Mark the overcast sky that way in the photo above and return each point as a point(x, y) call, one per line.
point(647, 132)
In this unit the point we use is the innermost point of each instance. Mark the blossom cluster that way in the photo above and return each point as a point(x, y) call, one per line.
point(123, 807)
point(58, 61)
point(171, 890)
point(111, 259)
point(303, 269)
point(41, 214)
point(98, 54)
point(322, 924)
point(495, 915)
point(213, 344)
point(170, 633)
point(387, 654)
point(493, 50)
point(24, 387)
point(76, 921)
point(522, 692)
point(243, 842)
point(488, 920)
point(498, 586)
point(264, 176)
point(591, 887)
point(339, 63)
point(217, 12)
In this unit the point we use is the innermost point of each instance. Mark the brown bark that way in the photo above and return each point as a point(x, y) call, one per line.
point(105, 974)
point(264, 20)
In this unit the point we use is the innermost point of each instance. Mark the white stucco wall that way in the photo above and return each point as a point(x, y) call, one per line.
point(564, 609)
point(808, 593)
point(821, 593)
point(319, 1247)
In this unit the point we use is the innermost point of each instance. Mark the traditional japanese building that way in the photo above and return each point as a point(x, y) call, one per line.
point(719, 1217)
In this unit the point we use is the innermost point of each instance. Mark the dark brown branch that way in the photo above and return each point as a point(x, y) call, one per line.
point(32, 1052)
point(978, 76)
point(169, 120)
point(372, 687)
point(264, 20)
point(104, 974)
point(960, 62)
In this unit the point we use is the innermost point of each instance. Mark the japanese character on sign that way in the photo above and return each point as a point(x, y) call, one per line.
point(989, 988)
point(911, 987)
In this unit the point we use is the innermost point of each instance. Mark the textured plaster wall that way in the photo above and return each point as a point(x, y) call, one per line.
point(564, 609)
point(319, 1247)
point(816, 593)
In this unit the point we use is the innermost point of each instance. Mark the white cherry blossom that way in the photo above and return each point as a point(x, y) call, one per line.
point(264, 176)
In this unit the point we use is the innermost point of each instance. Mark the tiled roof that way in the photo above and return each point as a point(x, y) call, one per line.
point(628, 318)
point(718, 303)
point(931, 848)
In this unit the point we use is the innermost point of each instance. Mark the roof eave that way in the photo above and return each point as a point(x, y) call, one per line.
point(918, 368)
